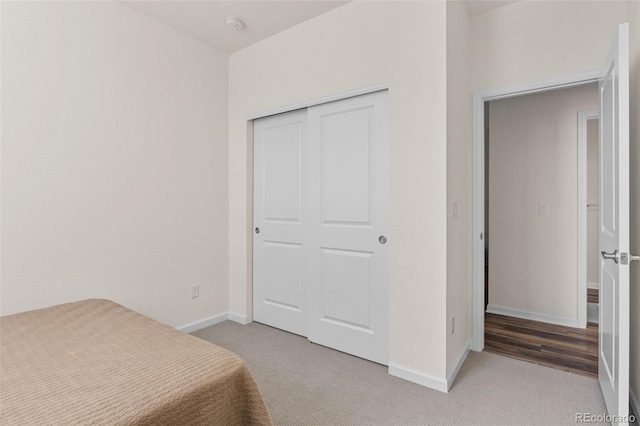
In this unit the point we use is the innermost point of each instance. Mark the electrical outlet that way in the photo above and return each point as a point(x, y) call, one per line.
point(453, 325)
point(195, 290)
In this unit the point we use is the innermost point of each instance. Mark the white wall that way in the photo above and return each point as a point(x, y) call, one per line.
point(533, 259)
point(458, 181)
point(402, 43)
point(593, 197)
point(114, 162)
point(531, 40)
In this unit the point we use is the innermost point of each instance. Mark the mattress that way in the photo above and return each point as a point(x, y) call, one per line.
point(97, 362)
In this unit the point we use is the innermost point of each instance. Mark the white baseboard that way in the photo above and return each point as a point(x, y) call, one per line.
point(551, 319)
point(415, 376)
point(593, 286)
point(207, 322)
point(634, 403)
point(238, 318)
point(456, 367)
point(203, 323)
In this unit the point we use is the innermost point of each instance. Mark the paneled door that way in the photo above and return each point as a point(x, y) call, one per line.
point(348, 223)
point(613, 359)
point(280, 222)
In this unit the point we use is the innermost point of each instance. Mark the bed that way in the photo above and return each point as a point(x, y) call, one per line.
point(97, 362)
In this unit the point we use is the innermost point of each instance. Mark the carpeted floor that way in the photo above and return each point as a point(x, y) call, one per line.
point(307, 384)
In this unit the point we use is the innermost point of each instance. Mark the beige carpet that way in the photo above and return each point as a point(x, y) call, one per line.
point(303, 384)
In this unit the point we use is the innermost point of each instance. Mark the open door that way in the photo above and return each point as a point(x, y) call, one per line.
point(613, 351)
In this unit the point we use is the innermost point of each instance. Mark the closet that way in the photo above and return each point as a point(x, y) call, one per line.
point(320, 249)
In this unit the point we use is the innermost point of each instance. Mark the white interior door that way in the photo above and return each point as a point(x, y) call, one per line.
point(613, 364)
point(348, 216)
point(279, 243)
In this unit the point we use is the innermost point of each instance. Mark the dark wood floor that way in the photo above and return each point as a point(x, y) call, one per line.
point(555, 346)
point(592, 295)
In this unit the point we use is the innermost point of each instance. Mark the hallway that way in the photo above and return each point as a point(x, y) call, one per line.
point(564, 348)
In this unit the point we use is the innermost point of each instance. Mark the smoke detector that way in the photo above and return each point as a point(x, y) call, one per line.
point(234, 23)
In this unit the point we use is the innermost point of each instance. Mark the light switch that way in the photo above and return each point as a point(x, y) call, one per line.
point(454, 210)
point(543, 209)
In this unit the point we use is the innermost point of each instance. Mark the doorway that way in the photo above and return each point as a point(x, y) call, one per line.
point(479, 100)
point(589, 190)
point(613, 337)
point(532, 206)
point(588, 133)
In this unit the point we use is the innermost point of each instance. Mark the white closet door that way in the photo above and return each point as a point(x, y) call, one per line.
point(279, 235)
point(348, 216)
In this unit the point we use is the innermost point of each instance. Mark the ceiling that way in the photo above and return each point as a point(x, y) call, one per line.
point(479, 6)
point(205, 20)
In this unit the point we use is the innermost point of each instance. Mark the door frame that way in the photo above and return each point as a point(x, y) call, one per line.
point(478, 242)
point(364, 90)
point(583, 118)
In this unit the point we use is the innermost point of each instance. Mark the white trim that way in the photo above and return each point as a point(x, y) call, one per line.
point(477, 236)
point(540, 86)
point(241, 319)
point(213, 320)
point(203, 323)
point(634, 403)
point(321, 100)
point(583, 118)
point(479, 98)
point(534, 316)
point(458, 364)
point(593, 286)
point(418, 377)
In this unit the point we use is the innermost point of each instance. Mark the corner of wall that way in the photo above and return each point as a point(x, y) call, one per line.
point(459, 184)
point(111, 218)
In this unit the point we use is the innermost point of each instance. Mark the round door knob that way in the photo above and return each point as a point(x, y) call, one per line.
point(382, 239)
point(257, 230)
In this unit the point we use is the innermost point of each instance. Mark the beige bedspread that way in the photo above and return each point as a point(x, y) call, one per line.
point(96, 362)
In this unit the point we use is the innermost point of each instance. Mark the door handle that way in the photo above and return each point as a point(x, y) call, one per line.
point(382, 239)
point(257, 230)
point(610, 256)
